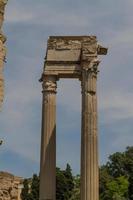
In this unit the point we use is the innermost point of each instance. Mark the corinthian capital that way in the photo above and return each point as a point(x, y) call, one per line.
point(89, 76)
point(49, 84)
point(91, 66)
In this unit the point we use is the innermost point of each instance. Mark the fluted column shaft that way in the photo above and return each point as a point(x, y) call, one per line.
point(48, 140)
point(89, 144)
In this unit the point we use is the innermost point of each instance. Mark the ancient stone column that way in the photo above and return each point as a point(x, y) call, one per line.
point(48, 140)
point(89, 143)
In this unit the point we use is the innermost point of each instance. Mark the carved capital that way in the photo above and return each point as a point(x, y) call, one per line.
point(91, 66)
point(89, 76)
point(49, 84)
point(64, 44)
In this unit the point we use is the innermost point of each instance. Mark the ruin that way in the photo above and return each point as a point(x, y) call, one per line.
point(71, 57)
point(10, 186)
point(2, 49)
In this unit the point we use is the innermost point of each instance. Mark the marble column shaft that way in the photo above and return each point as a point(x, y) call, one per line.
point(48, 140)
point(89, 144)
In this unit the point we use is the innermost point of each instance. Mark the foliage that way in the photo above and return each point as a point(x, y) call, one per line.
point(25, 190)
point(117, 173)
point(116, 164)
point(34, 190)
point(129, 169)
point(69, 180)
point(118, 188)
point(116, 180)
point(61, 190)
point(76, 189)
point(104, 179)
point(30, 189)
point(64, 183)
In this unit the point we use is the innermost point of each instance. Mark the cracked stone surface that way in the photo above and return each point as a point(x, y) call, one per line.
point(9, 186)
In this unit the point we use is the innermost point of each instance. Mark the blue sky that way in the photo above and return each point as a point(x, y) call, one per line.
point(28, 23)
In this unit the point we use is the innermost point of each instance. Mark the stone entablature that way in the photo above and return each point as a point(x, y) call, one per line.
point(10, 186)
point(67, 55)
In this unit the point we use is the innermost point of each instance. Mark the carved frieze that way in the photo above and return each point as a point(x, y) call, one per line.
point(89, 75)
point(62, 44)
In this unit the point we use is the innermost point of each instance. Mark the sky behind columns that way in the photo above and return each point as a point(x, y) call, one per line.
point(28, 23)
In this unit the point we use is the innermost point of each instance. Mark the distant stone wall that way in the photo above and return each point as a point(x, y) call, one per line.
point(2, 49)
point(10, 186)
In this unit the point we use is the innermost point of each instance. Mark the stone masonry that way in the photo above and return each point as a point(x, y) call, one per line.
point(2, 49)
point(71, 57)
point(10, 186)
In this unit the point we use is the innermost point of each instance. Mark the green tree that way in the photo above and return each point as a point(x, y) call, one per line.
point(69, 180)
point(116, 180)
point(104, 179)
point(129, 169)
point(116, 164)
point(118, 188)
point(76, 189)
point(30, 189)
point(34, 190)
point(64, 183)
point(120, 165)
point(61, 191)
point(25, 190)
